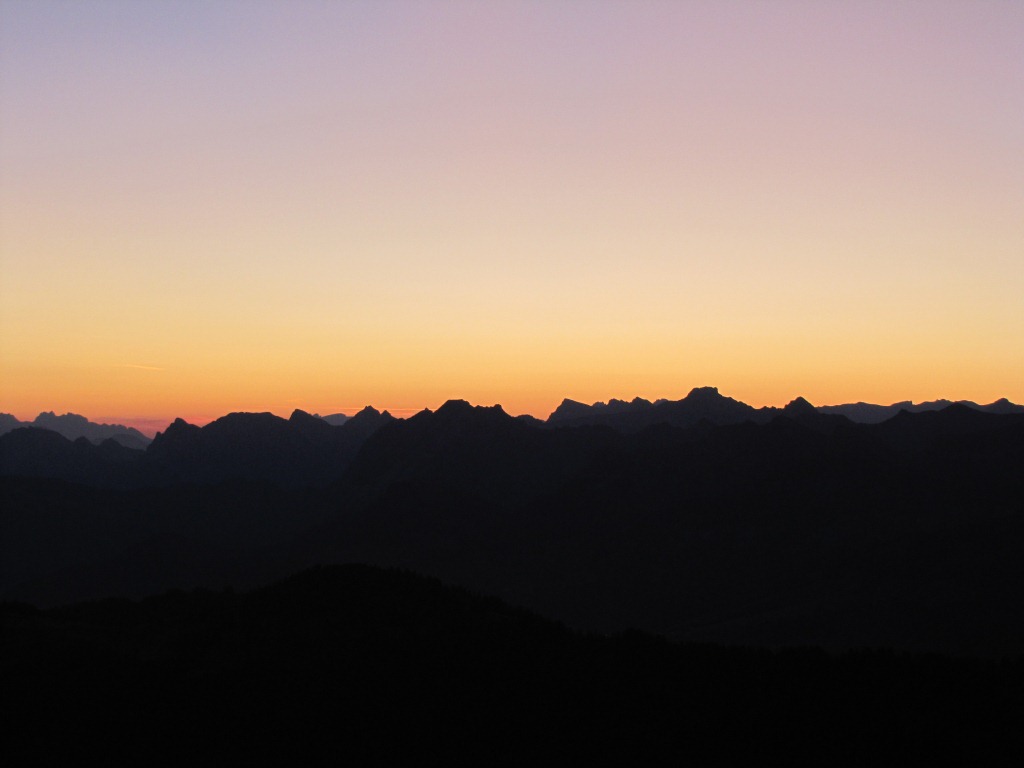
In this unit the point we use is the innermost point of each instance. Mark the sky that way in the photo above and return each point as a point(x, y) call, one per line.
point(261, 206)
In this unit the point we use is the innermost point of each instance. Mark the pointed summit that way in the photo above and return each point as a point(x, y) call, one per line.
point(178, 434)
point(366, 422)
point(569, 409)
point(179, 427)
point(1002, 405)
point(309, 425)
point(799, 406)
point(455, 406)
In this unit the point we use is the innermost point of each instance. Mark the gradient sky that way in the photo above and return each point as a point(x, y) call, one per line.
point(217, 206)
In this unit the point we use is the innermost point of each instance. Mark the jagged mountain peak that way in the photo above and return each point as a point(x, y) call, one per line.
point(367, 421)
point(569, 409)
point(453, 407)
point(310, 425)
point(300, 417)
point(47, 418)
point(799, 405)
point(175, 429)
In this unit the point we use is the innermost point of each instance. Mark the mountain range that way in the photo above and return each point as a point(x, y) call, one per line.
point(708, 403)
point(312, 451)
point(700, 403)
point(806, 529)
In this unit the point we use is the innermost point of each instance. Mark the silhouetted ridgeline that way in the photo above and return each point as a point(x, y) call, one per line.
point(805, 530)
point(310, 451)
point(72, 426)
point(300, 451)
point(705, 403)
point(364, 666)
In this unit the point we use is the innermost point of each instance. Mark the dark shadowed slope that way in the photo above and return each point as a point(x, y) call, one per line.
point(381, 667)
point(475, 449)
point(787, 533)
point(42, 453)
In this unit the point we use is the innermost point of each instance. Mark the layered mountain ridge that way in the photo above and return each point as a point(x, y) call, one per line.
point(708, 403)
point(701, 402)
point(307, 450)
point(72, 426)
point(806, 529)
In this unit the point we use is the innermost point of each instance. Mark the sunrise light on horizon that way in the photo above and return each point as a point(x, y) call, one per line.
point(263, 206)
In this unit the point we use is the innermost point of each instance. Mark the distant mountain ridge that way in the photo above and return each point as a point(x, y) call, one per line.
point(72, 426)
point(301, 451)
point(866, 413)
point(701, 403)
point(307, 451)
point(334, 419)
point(706, 403)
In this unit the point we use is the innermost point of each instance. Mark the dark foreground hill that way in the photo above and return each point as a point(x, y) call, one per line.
point(361, 666)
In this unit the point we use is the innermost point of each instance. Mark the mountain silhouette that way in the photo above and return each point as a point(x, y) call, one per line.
point(793, 527)
point(334, 419)
point(477, 449)
point(300, 451)
point(801, 411)
point(866, 413)
point(708, 404)
point(742, 533)
point(72, 426)
point(702, 403)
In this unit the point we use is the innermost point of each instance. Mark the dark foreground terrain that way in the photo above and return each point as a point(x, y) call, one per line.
point(363, 666)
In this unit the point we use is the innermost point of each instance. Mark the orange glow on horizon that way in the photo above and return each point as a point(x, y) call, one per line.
point(154, 417)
